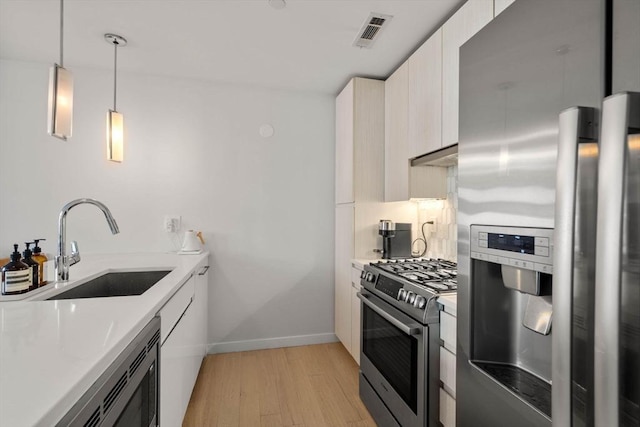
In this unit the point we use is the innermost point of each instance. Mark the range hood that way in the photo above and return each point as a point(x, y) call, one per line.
point(444, 157)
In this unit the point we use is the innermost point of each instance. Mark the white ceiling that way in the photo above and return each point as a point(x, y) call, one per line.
point(305, 46)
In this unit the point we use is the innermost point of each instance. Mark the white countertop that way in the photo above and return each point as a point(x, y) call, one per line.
point(450, 303)
point(360, 263)
point(51, 352)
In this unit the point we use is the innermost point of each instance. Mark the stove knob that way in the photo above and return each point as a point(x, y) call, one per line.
point(363, 274)
point(420, 302)
point(411, 297)
point(402, 294)
point(370, 277)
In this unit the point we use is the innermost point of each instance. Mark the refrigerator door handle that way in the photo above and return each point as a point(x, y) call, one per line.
point(576, 125)
point(619, 113)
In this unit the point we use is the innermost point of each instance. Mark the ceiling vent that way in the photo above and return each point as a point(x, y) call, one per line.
point(371, 29)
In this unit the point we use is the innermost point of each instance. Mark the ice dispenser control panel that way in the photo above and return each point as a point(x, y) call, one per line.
point(521, 247)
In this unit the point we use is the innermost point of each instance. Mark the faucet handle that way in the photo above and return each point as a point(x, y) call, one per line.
point(75, 253)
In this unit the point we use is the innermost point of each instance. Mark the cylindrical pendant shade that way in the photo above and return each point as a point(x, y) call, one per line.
point(115, 136)
point(60, 102)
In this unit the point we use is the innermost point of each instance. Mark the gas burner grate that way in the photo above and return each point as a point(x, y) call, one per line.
point(433, 274)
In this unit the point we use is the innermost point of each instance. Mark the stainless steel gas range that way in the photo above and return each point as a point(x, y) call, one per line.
point(400, 356)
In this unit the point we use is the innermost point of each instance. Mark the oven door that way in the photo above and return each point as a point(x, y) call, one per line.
point(392, 359)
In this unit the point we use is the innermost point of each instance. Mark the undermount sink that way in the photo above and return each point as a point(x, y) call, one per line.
point(118, 284)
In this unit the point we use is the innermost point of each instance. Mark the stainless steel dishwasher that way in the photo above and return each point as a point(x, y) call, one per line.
point(126, 394)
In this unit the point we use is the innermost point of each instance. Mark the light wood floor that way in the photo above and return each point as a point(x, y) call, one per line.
point(314, 385)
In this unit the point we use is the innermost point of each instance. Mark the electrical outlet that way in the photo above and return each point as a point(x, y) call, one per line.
point(172, 223)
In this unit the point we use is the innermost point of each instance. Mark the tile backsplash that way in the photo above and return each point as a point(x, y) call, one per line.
point(442, 236)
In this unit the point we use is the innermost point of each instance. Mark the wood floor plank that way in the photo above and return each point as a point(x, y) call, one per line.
point(310, 406)
point(269, 401)
point(229, 411)
point(346, 371)
point(306, 386)
point(271, 420)
point(363, 423)
point(196, 411)
point(336, 409)
point(290, 402)
point(249, 391)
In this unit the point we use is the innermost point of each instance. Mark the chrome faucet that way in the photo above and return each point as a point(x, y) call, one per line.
point(64, 261)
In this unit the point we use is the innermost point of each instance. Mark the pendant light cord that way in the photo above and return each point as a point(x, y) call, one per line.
point(115, 72)
point(61, 33)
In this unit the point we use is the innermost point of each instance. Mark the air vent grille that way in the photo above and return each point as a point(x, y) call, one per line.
point(153, 341)
point(115, 392)
point(371, 29)
point(94, 419)
point(137, 361)
point(370, 32)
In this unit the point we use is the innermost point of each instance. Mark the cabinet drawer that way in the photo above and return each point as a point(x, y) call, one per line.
point(448, 331)
point(447, 409)
point(355, 275)
point(448, 371)
point(170, 313)
point(180, 360)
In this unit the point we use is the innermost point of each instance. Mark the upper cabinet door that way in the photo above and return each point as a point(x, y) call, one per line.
point(396, 147)
point(626, 46)
point(344, 144)
point(466, 22)
point(360, 142)
point(501, 5)
point(425, 97)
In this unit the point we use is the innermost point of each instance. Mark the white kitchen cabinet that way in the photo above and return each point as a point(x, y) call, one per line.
point(183, 345)
point(179, 364)
point(448, 331)
point(359, 146)
point(202, 304)
point(448, 371)
point(425, 97)
point(344, 144)
point(466, 22)
point(343, 256)
point(355, 314)
point(396, 147)
point(448, 336)
point(403, 182)
point(359, 191)
point(447, 409)
point(500, 5)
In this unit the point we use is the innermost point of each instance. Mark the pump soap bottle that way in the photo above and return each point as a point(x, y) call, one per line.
point(40, 258)
point(16, 275)
point(32, 264)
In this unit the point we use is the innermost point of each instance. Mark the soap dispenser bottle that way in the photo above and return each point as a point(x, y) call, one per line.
point(16, 275)
point(32, 264)
point(40, 258)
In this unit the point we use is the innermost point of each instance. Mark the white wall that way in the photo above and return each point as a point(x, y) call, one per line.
point(442, 236)
point(193, 149)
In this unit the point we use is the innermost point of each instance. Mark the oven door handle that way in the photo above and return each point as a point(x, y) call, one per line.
point(407, 329)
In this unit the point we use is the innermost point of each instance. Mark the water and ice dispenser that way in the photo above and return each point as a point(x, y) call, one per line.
point(512, 310)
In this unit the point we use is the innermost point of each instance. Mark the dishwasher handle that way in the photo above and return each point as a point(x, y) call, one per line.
point(410, 330)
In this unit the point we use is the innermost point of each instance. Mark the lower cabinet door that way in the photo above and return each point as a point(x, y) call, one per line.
point(447, 409)
point(355, 323)
point(180, 359)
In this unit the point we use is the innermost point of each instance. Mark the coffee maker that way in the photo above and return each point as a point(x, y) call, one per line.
point(396, 239)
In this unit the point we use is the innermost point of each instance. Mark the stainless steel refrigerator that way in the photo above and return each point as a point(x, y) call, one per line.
point(549, 217)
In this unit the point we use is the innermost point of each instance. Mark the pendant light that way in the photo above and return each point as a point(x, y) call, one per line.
point(115, 120)
point(60, 93)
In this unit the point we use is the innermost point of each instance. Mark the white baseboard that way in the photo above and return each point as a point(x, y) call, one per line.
point(261, 344)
